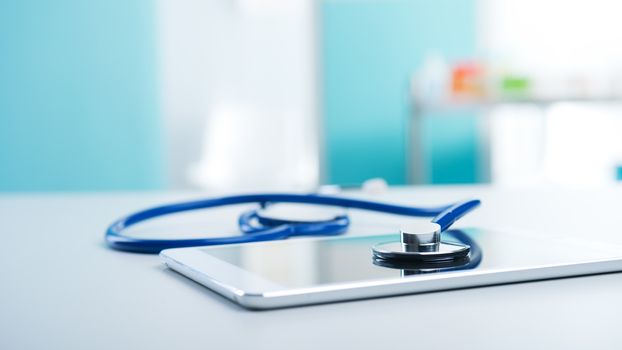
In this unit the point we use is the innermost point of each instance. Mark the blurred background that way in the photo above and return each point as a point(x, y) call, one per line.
point(231, 95)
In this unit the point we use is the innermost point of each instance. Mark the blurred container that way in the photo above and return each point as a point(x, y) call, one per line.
point(431, 82)
point(514, 86)
point(468, 81)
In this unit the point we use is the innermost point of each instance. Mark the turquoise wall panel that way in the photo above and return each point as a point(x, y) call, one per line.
point(451, 148)
point(370, 49)
point(78, 96)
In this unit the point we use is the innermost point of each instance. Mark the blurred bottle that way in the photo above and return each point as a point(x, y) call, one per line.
point(514, 86)
point(468, 81)
point(430, 84)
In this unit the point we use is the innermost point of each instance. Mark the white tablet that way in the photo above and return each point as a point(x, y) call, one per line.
point(318, 270)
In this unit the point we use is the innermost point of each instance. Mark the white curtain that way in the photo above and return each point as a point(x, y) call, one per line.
point(240, 93)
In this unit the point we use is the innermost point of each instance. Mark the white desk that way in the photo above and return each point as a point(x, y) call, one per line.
point(63, 289)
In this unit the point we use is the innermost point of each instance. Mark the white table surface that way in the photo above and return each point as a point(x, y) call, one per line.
point(61, 288)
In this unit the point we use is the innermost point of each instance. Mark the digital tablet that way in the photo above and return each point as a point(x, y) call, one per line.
point(306, 271)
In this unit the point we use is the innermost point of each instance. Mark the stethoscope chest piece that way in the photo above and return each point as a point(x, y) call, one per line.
point(420, 242)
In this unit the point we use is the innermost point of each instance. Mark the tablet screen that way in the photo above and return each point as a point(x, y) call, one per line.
point(299, 263)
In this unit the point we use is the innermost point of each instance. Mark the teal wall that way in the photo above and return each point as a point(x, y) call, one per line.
point(370, 50)
point(78, 96)
point(452, 148)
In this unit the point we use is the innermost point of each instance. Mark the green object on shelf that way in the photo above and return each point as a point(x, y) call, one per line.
point(515, 85)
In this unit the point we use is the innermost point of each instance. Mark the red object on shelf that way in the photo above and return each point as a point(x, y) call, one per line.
point(467, 80)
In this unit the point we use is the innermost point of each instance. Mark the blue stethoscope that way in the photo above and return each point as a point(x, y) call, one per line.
point(260, 225)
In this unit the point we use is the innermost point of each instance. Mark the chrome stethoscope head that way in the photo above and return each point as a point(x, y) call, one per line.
point(421, 242)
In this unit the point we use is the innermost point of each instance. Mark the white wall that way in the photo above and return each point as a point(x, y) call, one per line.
point(570, 49)
point(575, 39)
point(239, 92)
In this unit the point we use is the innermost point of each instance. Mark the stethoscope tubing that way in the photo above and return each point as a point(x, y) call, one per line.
point(445, 216)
